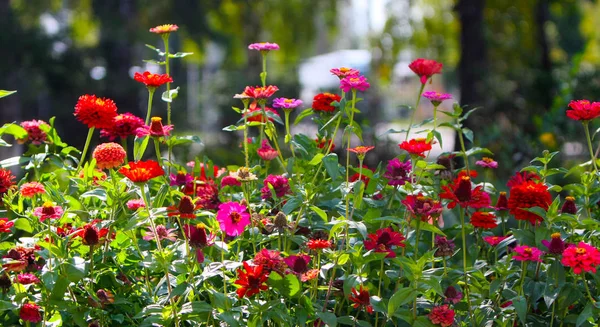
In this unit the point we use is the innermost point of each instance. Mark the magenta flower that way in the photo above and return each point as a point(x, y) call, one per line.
point(556, 245)
point(354, 83)
point(452, 295)
point(124, 125)
point(280, 185)
point(397, 172)
point(344, 72)
point(48, 211)
point(156, 129)
point(35, 131)
point(27, 278)
point(486, 162)
point(266, 152)
point(135, 204)
point(181, 178)
point(263, 46)
point(436, 97)
point(298, 263)
point(528, 253)
point(286, 104)
point(233, 218)
point(162, 232)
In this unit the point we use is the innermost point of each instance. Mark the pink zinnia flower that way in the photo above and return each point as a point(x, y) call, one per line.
point(486, 162)
point(280, 185)
point(263, 46)
point(266, 152)
point(48, 211)
point(354, 83)
point(29, 190)
point(286, 104)
point(259, 92)
point(494, 240)
point(582, 257)
point(135, 204)
point(35, 133)
point(436, 97)
point(425, 68)
point(397, 172)
point(230, 181)
point(155, 129)
point(162, 232)
point(27, 278)
point(233, 218)
point(164, 29)
point(528, 253)
point(344, 72)
point(124, 125)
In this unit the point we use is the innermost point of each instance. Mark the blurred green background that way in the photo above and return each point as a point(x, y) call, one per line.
point(520, 61)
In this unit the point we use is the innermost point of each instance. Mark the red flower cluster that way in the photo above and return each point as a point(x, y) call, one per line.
point(95, 112)
point(528, 195)
point(582, 258)
point(152, 81)
point(251, 280)
point(425, 68)
point(416, 146)
point(323, 102)
point(583, 110)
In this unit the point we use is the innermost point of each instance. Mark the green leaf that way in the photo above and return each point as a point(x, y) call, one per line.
point(180, 54)
point(468, 134)
point(155, 62)
point(520, 304)
point(288, 286)
point(319, 212)
point(139, 146)
point(159, 51)
point(4, 93)
point(169, 96)
point(331, 165)
point(6, 305)
point(400, 298)
point(24, 225)
point(305, 113)
point(183, 140)
point(585, 314)
point(328, 318)
point(316, 159)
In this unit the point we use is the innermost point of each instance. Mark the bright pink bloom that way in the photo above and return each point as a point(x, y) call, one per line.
point(263, 46)
point(182, 178)
point(259, 92)
point(124, 125)
point(230, 181)
point(425, 68)
point(233, 218)
point(436, 97)
point(156, 129)
point(27, 278)
point(135, 204)
point(583, 110)
point(486, 162)
point(354, 83)
point(397, 172)
point(266, 152)
point(35, 134)
point(582, 257)
point(528, 253)
point(48, 211)
point(344, 72)
point(280, 185)
point(5, 225)
point(285, 103)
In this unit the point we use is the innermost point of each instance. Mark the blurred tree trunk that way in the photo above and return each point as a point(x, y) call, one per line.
point(473, 62)
point(545, 83)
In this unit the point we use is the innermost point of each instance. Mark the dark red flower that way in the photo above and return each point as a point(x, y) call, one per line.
point(444, 246)
point(452, 295)
point(30, 312)
point(156, 129)
point(484, 220)
point(556, 245)
point(416, 146)
point(298, 263)
point(361, 299)
point(251, 280)
point(142, 171)
point(425, 68)
point(90, 234)
point(152, 80)
point(123, 125)
point(322, 141)
point(207, 194)
point(271, 260)
point(442, 315)
point(185, 208)
point(528, 195)
point(279, 183)
point(383, 241)
point(502, 203)
point(95, 112)
point(583, 110)
point(522, 177)
point(197, 235)
point(421, 207)
point(460, 192)
point(323, 102)
point(569, 206)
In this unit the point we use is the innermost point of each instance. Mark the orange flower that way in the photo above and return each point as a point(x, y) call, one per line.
point(95, 112)
point(484, 220)
point(152, 80)
point(29, 190)
point(142, 171)
point(361, 150)
point(109, 155)
point(164, 29)
point(416, 146)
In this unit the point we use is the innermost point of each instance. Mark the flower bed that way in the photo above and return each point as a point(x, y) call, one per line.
point(295, 237)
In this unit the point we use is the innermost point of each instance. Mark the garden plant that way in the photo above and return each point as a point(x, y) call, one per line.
point(124, 235)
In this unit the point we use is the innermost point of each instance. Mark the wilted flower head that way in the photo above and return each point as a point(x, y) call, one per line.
point(35, 134)
point(556, 245)
point(445, 247)
point(397, 172)
point(452, 295)
point(436, 97)
point(243, 174)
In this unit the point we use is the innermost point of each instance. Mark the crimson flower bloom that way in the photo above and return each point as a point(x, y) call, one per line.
point(569, 206)
point(30, 189)
point(7, 181)
point(528, 253)
point(422, 207)
point(156, 129)
point(452, 295)
point(230, 180)
point(299, 266)
point(436, 97)
point(383, 241)
point(484, 220)
point(30, 312)
point(522, 177)
point(48, 211)
point(344, 72)
point(582, 258)
point(460, 192)
point(556, 245)
point(152, 81)
point(95, 112)
point(397, 172)
point(5, 225)
point(528, 195)
point(442, 315)
point(271, 260)
point(164, 29)
point(142, 171)
point(361, 299)
point(123, 125)
point(109, 155)
point(583, 110)
point(494, 240)
point(90, 234)
point(181, 178)
point(27, 278)
point(416, 146)
point(263, 46)
point(502, 203)
point(259, 92)
point(425, 68)
point(279, 183)
point(35, 134)
point(251, 280)
point(185, 208)
point(318, 244)
point(349, 83)
point(197, 235)
point(323, 102)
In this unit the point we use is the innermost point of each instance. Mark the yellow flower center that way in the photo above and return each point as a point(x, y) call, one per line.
point(555, 236)
point(528, 250)
point(581, 251)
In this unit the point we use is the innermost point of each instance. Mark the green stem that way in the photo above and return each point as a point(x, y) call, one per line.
point(167, 68)
point(379, 291)
point(263, 76)
point(263, 120)
point(124, 145)
point(587, 289)
point(157, 149)
point(589, 142)
point(288, 135)
point(88, 140)
point(245, 142)
point(464, 246)
point(462, 148)
point(522, 280)
point(149, 110)
point(412, 115)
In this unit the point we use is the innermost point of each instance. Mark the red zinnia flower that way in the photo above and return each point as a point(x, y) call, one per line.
point(30, 312)
point(416, 146)
point(582, 257)
point(142, 171)
point(95, 112)
point(317, 244)
point(271, 260)
point(494, 240)
point(425, 68)
point(502, 203)
point(164, 29)
point(5, 225)
point(109, 155)
point(7, 181)
point(442, 315)
point(361, 299)
point(422, 207)
point(259, 92)
point(460, 192)
point(185, 209)
point(361, 151)
point(29, 190)
point(484, 220)
point(278, 183)
point(123, 125)
point(90, 234)
point(383, 240)
point(522, 177)
point(252, 280)
point(322, 102)
point(156, 129)
point(152, 81)
point(583, 110)
point(528, 195)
